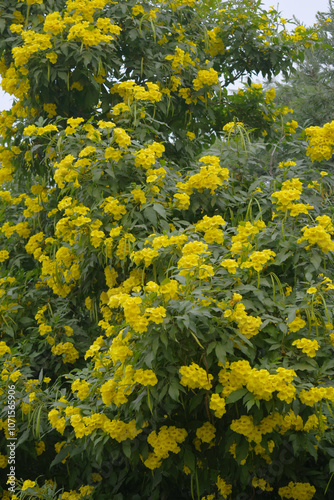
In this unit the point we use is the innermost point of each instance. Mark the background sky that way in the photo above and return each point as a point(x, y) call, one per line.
point(304, 10)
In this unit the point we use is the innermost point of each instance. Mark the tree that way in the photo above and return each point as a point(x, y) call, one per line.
point(165, 334)
point(309, 89)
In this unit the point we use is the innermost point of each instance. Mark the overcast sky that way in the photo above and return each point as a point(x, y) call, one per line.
point(304, 10)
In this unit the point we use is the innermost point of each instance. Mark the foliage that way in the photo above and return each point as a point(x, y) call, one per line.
point(309, 89)
point(166, 284)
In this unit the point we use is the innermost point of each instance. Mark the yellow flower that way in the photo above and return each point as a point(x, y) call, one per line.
point(4, 348)
point(230, 264)
point(297, 491)
point(297, 324)
point(206, 433)
point(309, 347)
point(224, 488)
point(3, 255)
point(195, 377)
point(28, 484)
point(138, 9)
point(311, 290)
point(191, 135)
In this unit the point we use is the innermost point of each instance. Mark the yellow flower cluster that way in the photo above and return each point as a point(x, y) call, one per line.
point(84, 492)
point(248, 325)
point(132, 311)
point(319, 235)
point(195, 377)
point(210, 227)
point(146, 157)
point(244, 425)
point(191, 260)
point(40, 447)
point(168, 291)
point(321, 142)
point(33, 130)
point(81, 387)
point(95, 347)
point(71, 354)
point(145, 377)
point(130, 91)
point(209, 177)
point(60, 274)
point(230, 264)
point(218, 405)
point(297, 324)
point(4, 255)
point(3, 461)
point(233, 127)
point(261, 483)
point(116, 429)
point(147, 255)
point(27, 484)
point(93, 34)
point(307, 346)
point(33, 42)
point(53, 23)
point(216, 45)
point(164, 442)
point(245, 234)
point(138, 196)
point(297, 491)
point(116, 389)
point(121, 137)
point(287, 164)
point(180, 59)
point(291, 190)
point(112, 206)
point(166, 241)
point(257, 260)
point(290, 127)
point(57, 421)
point(205, 77)
point(65, 171)
point(206, 433)
point(316, 394)
point(260, 383)
point(224, 488)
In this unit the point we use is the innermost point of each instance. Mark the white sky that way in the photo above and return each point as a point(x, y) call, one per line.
point(304, 10)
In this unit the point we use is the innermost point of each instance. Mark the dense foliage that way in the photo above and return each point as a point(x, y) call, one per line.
point(166, 283)
point(309, 90)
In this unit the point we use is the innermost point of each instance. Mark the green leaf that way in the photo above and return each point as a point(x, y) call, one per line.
point(150, 214)
point(221, 352)
point(174, 389)
point(189, 459)
point(316, 261)
point(236, 395)
point(331, 465)
point(126, 447)
point(61, 455)
point(241, 451)
point(160, 210)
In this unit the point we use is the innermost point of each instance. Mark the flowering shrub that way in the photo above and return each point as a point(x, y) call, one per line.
point(166, 312)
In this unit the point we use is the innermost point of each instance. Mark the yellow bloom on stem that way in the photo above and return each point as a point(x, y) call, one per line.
point(307, 346)
point(28, 484)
